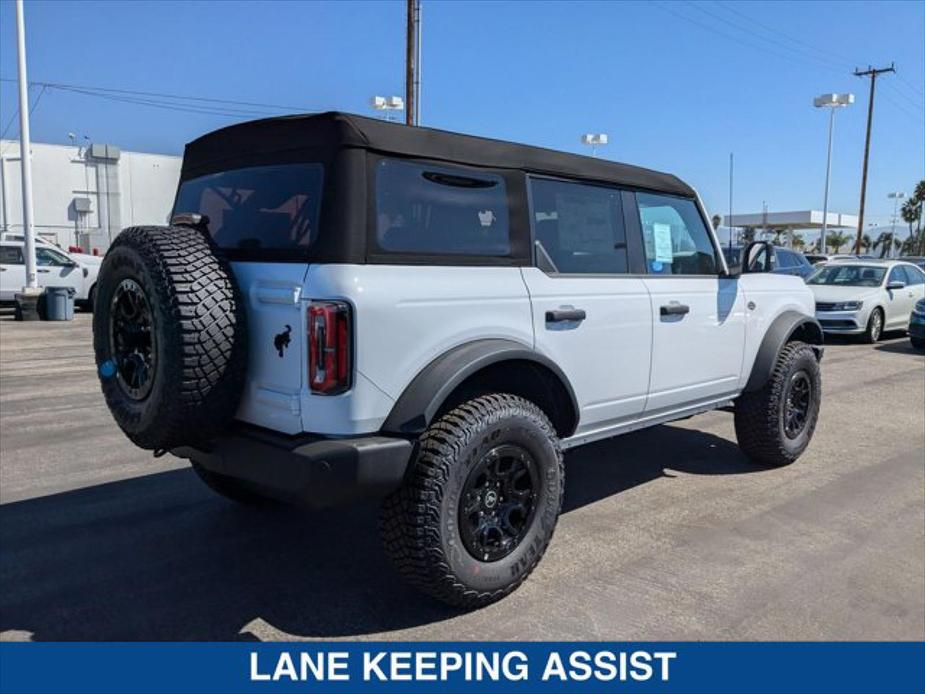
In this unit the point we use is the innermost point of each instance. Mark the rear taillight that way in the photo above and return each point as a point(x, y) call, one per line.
point(329, 347)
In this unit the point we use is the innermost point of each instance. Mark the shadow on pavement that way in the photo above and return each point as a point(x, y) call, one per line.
point(898, 347)
point(160, 557)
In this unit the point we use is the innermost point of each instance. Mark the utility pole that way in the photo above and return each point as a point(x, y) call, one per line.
point(412, 59)
point(872, 73)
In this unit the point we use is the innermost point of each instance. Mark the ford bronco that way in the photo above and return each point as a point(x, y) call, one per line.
point(345, 308)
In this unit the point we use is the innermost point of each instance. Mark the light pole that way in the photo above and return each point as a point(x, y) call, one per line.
point(25, 146)
point(387, 104)
point(832, 102)
point(594, 140)
point(896, 197)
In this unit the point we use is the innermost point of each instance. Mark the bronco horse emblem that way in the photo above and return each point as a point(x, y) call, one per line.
point(281, 341)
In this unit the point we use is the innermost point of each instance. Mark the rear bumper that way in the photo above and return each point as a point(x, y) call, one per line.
point(310, 470)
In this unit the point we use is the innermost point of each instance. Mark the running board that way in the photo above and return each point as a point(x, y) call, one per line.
point(645, 422)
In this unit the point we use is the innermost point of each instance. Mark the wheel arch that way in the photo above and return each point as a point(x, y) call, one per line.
point(478, 367)
point(788, 326)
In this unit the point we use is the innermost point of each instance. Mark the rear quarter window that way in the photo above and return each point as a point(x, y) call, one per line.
point(259, 207)
point(436, 210)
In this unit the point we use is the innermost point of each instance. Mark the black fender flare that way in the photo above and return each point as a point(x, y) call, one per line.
point(417, 406)
point(782, 329)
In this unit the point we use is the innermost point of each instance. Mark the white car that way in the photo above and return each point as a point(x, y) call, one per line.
point(85, 258)
point(54, 268)
point(866, 297)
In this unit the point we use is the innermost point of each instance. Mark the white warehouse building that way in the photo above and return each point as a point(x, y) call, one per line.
point(84, 196)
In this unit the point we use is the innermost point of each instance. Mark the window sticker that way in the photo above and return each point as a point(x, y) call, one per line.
point(662, 234)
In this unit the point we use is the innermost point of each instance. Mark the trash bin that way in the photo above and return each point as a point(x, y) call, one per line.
point(59, 303)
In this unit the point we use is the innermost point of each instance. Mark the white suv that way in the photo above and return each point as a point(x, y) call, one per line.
point(345, 307)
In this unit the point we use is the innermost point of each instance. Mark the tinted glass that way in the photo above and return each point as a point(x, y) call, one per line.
point(848, 275)
point(915, 275)
point(785, 258)
point(47, 257)
point(676, 239)
point(260, 207)
point(440, 210)
point(898, 274)
point(579, 227)
point(11, 255)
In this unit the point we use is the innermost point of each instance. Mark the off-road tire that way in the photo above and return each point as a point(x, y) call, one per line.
point(231, 488)
point(871, 333)
point(201, 336)
point(759, 415)
point(419, 523)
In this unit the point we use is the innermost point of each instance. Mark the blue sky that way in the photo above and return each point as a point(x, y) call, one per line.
point(676, 85)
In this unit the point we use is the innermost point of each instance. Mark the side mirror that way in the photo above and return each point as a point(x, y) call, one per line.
point(896, 284)
point(757, 257)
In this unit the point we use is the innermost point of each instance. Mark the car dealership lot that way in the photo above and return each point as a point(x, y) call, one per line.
point(666, 534)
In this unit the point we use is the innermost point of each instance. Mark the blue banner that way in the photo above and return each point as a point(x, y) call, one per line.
point(457, 668)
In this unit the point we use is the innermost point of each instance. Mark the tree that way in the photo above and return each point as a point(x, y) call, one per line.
point(884, 242)
point(836, 239)
point(798, 242)
point(717, 221)
point(866, 243)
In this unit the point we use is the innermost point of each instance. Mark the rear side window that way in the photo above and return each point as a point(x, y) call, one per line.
point(259, 207)
point(786, 258)
point(579, 227)
point(440, 210)
point(915, 275)
point(676, 240)
point(11, 255)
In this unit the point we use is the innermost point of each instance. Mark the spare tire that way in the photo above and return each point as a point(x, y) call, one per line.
point(170, 336)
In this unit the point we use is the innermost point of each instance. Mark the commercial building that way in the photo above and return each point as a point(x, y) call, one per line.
point(84, 195)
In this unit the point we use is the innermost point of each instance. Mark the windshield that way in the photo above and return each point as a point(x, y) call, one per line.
point(848, 276)
point(260, 207)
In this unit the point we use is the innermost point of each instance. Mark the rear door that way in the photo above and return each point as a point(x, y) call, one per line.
point(12, 271)
point(698, 317)
point(590, 315)
point(265, 218)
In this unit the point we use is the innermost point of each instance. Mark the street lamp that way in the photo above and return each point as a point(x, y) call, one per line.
point(387, 104)
point(832, 102)
point(896, 197)
point(594, 140)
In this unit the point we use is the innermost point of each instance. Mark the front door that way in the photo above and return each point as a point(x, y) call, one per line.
point(698, 317)
point(54, 269)
point(900, 301)
point(589, 315)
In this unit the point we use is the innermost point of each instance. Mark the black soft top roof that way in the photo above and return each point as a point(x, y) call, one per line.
point(325, 133)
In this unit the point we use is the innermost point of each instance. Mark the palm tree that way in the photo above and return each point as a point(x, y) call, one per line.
point(912, 214)
point(884, 242)
point(798, 242)
point(866, 242)
point(836, 239)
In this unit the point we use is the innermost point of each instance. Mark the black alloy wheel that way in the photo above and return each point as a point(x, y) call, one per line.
point(132, 339)
point(797, 403)
point(498, 502)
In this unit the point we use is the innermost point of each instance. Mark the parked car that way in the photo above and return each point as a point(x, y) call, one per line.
point(54, 268)
point(915, 260)
point(819, 258)
point(85, 258)
point(345, 307)
point(866, 297)
point(917, 325)
point(783, 261)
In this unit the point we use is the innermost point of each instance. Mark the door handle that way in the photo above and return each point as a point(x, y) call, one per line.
point(565, 314)
point(43, 270)
point(674, 309)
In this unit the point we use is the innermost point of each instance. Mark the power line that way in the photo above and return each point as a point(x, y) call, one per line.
point(164, 95)
point(32, 108)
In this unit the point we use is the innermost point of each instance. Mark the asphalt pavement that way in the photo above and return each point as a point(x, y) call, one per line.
point(668, 533)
